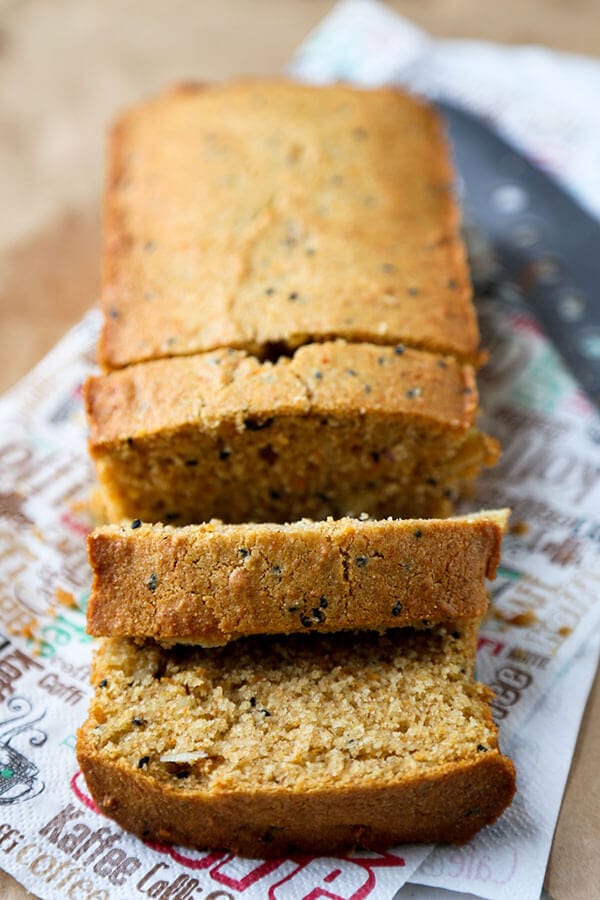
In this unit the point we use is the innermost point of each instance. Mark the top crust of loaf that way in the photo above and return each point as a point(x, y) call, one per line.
point(259, 213)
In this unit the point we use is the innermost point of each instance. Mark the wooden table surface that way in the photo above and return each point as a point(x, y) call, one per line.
point(66, 67)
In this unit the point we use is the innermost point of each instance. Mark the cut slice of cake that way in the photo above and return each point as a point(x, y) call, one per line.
point(212, 583)
point(304, 744)
point(338, 429)
point(261, 215)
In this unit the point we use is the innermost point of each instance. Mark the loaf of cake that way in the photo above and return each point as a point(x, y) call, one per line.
point(302, 744)
point(209, 584)
point(338, 429)
point(265, 215)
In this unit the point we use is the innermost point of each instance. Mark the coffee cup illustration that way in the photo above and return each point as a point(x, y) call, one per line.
point(19, 777)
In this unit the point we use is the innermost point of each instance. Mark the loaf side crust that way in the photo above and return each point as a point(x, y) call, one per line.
point(212, 583)
point(263, 214)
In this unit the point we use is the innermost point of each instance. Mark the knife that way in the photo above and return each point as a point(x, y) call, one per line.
point(545, 243)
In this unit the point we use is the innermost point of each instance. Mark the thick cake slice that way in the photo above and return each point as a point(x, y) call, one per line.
point(258, 215)
point(209, 584)
point(338, 429)
point(305, 744)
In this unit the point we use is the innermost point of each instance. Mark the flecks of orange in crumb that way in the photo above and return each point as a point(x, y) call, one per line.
point(519, 528)
point(65, 598)
point(528, 617)
point(565, 631)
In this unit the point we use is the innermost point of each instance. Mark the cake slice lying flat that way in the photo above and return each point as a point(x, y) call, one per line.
point(305, 744)
point(211, 583)
point(338, 429)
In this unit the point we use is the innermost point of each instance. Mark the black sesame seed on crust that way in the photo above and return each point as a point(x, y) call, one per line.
point(306, 621)
point(137, 720)
point(103, 683)
point(456, 635)
point(323, 602)
point(254, 425)
point(399, 349)
point(224, 454)
point(191, 462)
point(136, 523)
point(153, 582)
point(361, 561)
point(482, 748)
point(396, 609)
point(318, 615)
point(252, 701)
point(413, 392)
point(244, 552)
point(143, 762)
point(418, 533)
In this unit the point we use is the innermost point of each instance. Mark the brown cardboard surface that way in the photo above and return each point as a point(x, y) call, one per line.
point(66, 67)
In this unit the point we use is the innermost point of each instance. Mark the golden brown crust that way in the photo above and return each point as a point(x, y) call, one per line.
point(213, 583)
point(269, 213)
point(337, 429)
point(311, 744)
point(450, 804)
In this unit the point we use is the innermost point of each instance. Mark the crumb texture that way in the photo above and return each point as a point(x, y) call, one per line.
point(272, 724)
point(338, 429)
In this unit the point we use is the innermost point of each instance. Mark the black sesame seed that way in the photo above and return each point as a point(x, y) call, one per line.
point(399, 349)
point(171, 516)
point(418, 533)
point(293, 609)
point(413, 392)
point(137, 720)
point(413, 291)
point(267, 837)
point(276, 570)
point(153, 582)
point(381, 360)
point(442, 364)
point(293, 295)
point(375, 456)
point(103, 683)
point(397, 609)
point(456, 635)
point(351, 371)
point(113, 313)
point(136, 523)
point(306, 621)
point(191, 462)
point(431, 481)
point(318, 375)
point(224, 454)
point(265, 712)
point(274, 495)
point(143, 762)
point(367, 388)
point(254, 425)
point(252, 701)
point(321, 495)
point(323, 603)
point(482, 748)
point(318, 615)
point(244, 552)
point(183, 773)
point(361, 561)
point(130, 442)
